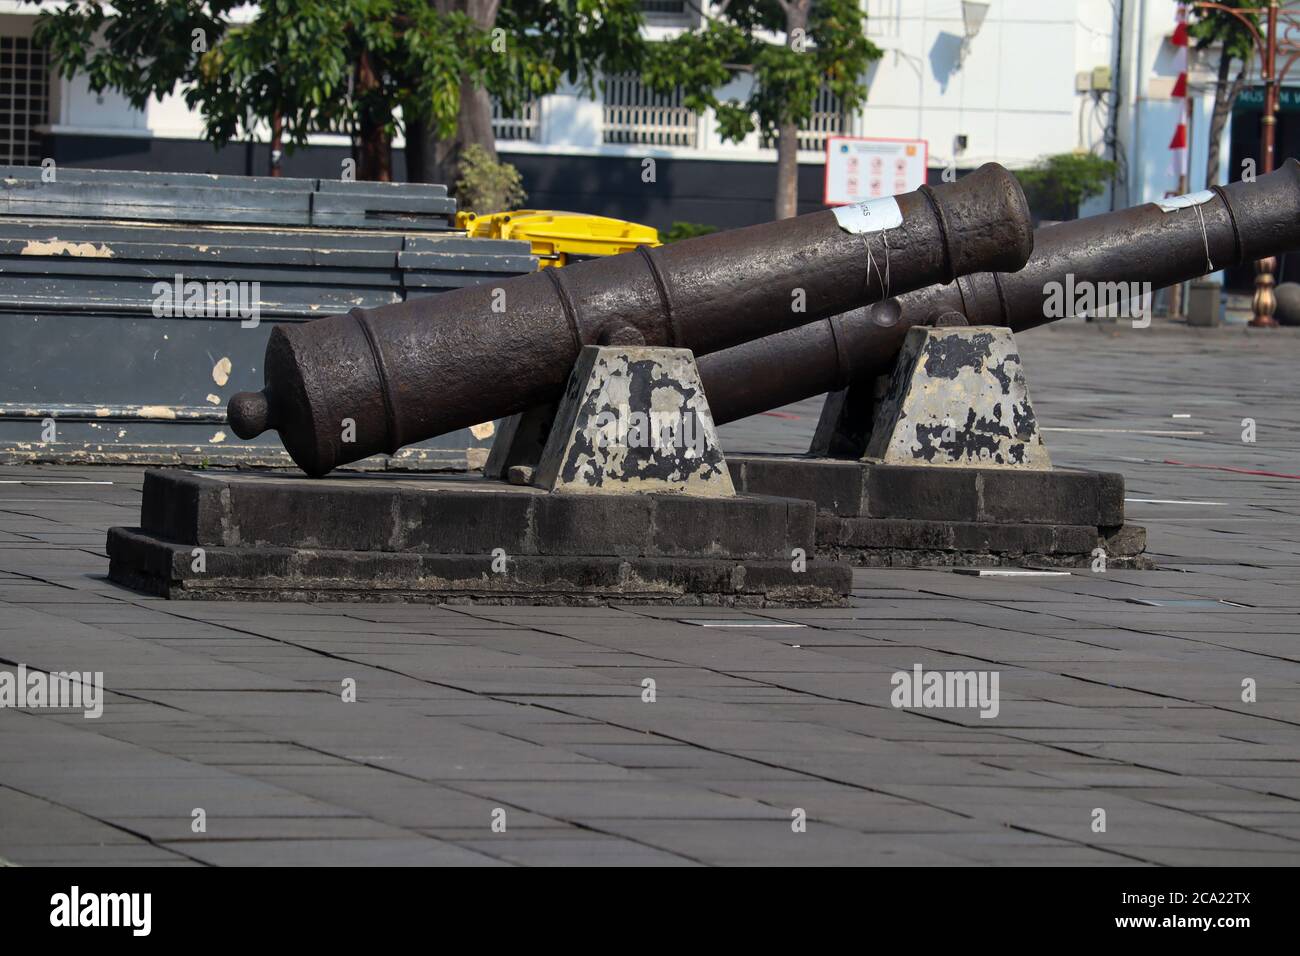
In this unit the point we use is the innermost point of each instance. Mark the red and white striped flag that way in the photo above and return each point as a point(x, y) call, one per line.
point(1178, 145)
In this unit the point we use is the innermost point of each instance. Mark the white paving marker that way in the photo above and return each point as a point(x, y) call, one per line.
point(1126, 431)
point(1185, 602)
point(44, 481)
point(1174, 501)
point(1010, 573)
point(743, 624)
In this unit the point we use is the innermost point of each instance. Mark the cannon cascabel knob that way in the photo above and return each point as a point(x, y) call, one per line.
point(249, 414)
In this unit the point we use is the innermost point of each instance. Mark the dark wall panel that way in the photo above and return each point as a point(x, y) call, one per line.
point(718, 193)
point(196, 156)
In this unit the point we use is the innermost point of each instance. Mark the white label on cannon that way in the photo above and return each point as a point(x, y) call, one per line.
point(873, 215)
point(1182, 202)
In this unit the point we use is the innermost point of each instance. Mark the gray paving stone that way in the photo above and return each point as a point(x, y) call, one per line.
point(461, 710)
point(411, 851)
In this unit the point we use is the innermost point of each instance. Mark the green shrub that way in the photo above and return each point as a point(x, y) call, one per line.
point(1056, 185)
point(686, 230)
point(487, 185)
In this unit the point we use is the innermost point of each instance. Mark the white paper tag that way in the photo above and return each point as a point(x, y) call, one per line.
point(870, 216)
point(1182, 202)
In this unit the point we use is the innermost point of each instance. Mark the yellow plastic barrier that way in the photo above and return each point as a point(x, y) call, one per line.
point(559, 238)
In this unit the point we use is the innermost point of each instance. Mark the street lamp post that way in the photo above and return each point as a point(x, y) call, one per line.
point(1267, 45)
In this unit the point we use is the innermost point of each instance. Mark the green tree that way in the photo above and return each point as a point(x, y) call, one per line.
point(361, 67)
point(527, 48)
point(1210, 27)
point(822, 43)
point(1056, 185)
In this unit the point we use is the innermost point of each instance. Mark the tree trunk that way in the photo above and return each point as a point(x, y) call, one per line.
point(1218, 119)
point(787, 170)
point(375, 146)
point(474, 125)
point(277, 141)
point(474, 121)
point(787, 130)
point(375, 157)
point(417, 161)
point(1225, 97)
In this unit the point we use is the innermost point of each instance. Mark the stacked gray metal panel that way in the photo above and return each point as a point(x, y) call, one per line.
point(132, 305)
point(241, 200)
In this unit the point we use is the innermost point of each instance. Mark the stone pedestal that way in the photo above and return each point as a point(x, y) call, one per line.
point(631, 501)
point(878, 515)
point(210, 535)
point(945, 465)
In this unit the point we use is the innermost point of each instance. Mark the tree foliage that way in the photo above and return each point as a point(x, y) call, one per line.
point(1058, 184)
point(336, 65)
point(1209, 26)
point(789, 49)
point(787, 76)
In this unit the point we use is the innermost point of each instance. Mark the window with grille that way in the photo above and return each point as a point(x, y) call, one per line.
point(672, 13)
point(667, 8)
point(522, 125)
point(24, 100)
point(884, 18)
point(635, 114)
point(827, 119)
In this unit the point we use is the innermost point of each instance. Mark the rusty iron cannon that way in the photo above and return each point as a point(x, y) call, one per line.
point(944, 462)
point(387, 377)
point(1109, 257)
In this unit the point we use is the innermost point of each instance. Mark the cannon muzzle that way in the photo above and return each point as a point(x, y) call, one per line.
point(1140, 249)
point(342, 388)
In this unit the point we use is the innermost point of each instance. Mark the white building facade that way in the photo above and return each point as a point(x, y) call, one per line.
point(1006, 81)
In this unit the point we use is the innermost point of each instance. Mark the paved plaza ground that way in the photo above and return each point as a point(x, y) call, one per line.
point(1120, 691)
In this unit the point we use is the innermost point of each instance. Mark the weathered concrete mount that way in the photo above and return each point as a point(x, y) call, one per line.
point(634, 419)
point(878, 515)
point(458, 539)
point(958, 399)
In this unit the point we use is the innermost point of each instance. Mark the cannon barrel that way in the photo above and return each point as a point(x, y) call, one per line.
point(1200, 234)
point(402, 373)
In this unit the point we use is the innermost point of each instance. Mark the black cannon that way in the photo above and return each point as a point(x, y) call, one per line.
point(1160, 244)
point(342, 388)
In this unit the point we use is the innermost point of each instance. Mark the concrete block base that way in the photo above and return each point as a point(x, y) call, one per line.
point(633, 420)
point(958, 399)
point(878, 515)
point(232, 536)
